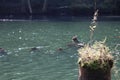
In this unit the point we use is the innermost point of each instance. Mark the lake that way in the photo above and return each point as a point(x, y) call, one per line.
point(49, 36)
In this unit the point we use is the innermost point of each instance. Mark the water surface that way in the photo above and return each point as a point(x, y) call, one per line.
point(48, 63)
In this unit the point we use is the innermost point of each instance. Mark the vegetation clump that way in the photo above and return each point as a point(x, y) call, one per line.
point(96, 56)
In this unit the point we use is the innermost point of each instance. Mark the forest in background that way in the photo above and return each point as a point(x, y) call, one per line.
point(59, 7)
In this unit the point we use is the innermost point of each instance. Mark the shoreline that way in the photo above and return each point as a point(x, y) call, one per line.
point(59, 18)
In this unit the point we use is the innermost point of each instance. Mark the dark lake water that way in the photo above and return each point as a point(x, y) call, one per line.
point(48, 63)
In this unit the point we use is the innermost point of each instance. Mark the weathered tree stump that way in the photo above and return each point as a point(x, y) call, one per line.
point(91, 74)
point(95, 62)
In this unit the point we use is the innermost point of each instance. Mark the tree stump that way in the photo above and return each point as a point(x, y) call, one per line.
point(91, 74)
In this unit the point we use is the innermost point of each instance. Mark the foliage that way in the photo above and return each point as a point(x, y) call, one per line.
point(74, 6)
